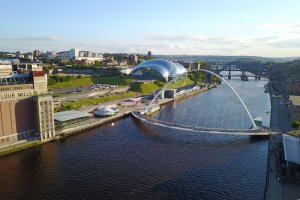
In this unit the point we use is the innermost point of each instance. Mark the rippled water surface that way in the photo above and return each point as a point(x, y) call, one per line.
point(132, 160)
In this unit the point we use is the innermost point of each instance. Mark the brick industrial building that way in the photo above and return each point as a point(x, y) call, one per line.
point(26, 110)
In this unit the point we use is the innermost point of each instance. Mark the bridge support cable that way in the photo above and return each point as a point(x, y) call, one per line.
point(207, 71)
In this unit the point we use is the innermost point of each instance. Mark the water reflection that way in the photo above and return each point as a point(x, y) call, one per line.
point(132, 160)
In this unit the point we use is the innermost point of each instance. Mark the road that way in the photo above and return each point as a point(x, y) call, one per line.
point(280, 122)
point(281, 117)
point(274, 191)
point(83, 95)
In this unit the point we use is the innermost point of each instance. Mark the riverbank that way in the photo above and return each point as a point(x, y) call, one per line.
point(195, 92)
point(18, 147)
point(132, 160)
point(276, 187)
point(96, 122)
point(87, 125)
point(92, 123)
point(273, 188)
point(63, 133)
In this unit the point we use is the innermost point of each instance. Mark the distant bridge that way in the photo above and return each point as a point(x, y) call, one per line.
point(143, 117)
point(244, 64)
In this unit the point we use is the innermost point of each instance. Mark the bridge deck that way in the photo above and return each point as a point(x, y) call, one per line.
point(250, 132)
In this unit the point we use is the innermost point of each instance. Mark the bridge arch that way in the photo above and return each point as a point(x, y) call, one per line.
point(245, 61)
point(245, 64)
point(207, 71)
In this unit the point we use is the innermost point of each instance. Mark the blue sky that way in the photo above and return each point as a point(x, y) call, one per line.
point(195, 27)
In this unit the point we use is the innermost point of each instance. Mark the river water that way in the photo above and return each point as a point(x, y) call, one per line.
point(131, 160)
point(221, 108)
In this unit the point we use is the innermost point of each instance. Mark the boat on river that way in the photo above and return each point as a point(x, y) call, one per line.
point(244, 78)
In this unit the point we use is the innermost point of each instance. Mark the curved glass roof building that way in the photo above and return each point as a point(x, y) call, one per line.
point(158, 69)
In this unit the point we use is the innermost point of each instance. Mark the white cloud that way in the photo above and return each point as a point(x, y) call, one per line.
point(272, 45)
point(281, 43)
point(280, 27)
point(30, 39)
point(288, 43)
point(275, 42)
point(175, 37)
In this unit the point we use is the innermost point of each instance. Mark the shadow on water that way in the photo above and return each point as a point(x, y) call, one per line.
point(197, 182)
point(206, 187)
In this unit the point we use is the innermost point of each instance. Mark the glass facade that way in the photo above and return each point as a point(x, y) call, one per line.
point(158, 69)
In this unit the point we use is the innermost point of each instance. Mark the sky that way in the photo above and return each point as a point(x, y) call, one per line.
point(268, 28)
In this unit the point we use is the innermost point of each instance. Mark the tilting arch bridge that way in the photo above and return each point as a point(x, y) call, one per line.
point(143, 116)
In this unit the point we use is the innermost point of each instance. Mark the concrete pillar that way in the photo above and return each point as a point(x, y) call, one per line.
point(229, 75)
point(162, 95)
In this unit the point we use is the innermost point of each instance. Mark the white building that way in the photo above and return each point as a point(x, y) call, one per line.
point(28, 66)
point(75, 54)
point(106, 111)
point(72, 54)
point(5, 70)
point(124, 70)
point(50, 54)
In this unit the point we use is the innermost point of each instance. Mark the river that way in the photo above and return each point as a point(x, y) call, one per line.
point(131, 160)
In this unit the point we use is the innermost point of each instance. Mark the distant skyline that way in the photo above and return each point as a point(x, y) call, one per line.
point(269, 28)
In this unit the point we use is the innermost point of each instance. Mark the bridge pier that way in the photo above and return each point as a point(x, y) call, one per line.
point(229, 75)
point(244, 77)
point(257, 77)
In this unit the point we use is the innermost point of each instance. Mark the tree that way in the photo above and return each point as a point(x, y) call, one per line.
point(296, 124)
point(48, 61)
point(203, 64)
point(216, 79)
point(197, 77)
point(51, 81)
point(99, 64)
point(46, 70)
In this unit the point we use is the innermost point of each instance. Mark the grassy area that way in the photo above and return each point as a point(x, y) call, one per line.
point(82, 81)
point(296, 124)
point(144, 88)
point(112, 80)
point(73, 83)
point(147, 88)
point(177, 84)
point(181, 83)
point(75, 105)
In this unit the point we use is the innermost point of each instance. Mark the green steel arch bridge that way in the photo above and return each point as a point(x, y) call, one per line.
point(255, 67)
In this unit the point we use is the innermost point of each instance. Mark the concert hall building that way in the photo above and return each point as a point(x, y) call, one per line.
point(26, 109)
point(157, 69)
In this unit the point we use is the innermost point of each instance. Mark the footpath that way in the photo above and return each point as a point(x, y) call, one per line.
point(276, 188)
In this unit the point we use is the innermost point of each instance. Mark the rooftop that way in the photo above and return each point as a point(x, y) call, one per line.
point(69, 115)
point(187, 87)
point(295, 100)
point(291, 148)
